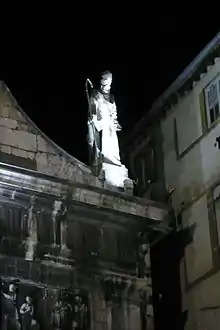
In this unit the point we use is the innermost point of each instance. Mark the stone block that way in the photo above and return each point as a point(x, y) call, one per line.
point(19, 152)
point(4, 112)
point(43, 146)
point(5, 149)
point(7, 122)
point(41, 159)
point(26, 140)
point(25, 127)
point(18, 139)
point(30, 155)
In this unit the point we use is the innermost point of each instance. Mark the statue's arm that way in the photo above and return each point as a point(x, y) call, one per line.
point(115, 117)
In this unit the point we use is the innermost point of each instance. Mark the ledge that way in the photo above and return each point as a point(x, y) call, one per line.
point(19, 178)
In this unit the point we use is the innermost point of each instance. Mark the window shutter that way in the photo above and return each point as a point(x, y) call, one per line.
point(203, 112)
point(213, 230)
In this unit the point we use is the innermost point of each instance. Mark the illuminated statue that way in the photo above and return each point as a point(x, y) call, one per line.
point(103, 124)
point(102, 137)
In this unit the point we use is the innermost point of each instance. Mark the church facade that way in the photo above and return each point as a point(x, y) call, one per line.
point(74, 255)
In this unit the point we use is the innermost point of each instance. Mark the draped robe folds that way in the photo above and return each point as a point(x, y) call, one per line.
point(102, 119)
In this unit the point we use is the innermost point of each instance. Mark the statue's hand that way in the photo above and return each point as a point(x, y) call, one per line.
point(117, 126)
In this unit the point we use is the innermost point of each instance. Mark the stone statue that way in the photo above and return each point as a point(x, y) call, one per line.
point(56, 224)
point(31, 221)
point(26, 312)
point(61, 319)
point(79, 314)
point(103, 124)
point(143, 256)
point(10, 310)
point(60, 226)
point(103, 143)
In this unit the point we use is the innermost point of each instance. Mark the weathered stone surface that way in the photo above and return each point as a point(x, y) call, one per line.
point(7, 122)
point(5, 149)
point(43, 146)
point(4, 112)
point(19, 139)
point(19, 152)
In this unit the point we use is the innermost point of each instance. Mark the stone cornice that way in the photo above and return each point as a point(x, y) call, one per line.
point(18, 178)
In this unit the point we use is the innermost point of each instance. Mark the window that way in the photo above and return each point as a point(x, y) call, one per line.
point(212, 101)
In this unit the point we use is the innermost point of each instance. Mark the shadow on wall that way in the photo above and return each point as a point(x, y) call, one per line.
point(166, 257)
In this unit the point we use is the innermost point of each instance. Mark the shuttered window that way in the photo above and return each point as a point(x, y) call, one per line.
point(211, 103)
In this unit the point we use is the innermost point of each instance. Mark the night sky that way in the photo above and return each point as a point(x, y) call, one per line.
point(45, 67)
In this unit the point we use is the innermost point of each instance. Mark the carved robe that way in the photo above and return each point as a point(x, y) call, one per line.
point(101, 127)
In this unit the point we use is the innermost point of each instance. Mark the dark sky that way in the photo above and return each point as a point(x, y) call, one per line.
point(45, 67)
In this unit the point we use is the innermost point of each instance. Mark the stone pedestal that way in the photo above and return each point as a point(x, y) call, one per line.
point(116, 178)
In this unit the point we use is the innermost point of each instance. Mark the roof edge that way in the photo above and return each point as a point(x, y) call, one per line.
point(180, 81)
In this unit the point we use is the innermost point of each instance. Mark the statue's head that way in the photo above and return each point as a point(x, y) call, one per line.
point(12, 287)
point(28, 300)
point(106, 81)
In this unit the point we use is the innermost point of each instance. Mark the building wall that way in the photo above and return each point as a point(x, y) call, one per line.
point(192, 168)
point(195, 165)
point(70, 253)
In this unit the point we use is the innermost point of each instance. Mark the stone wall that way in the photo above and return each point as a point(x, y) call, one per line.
point(23, 144)
point(50, 240)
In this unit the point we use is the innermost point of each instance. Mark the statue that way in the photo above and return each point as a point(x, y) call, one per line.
point(79, 314)
point(10, 308)
point(103, 123)
point(143, 256)
point(61, 319)
point(60, 226)
point(26, 312)
point(103, 143)
point(31, 222)
point(56, 224)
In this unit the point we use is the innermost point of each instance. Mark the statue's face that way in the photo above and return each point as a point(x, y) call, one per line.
point(106, 85)
point(12, 288)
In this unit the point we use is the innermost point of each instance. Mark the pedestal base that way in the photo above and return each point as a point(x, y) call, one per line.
point(116, 178)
